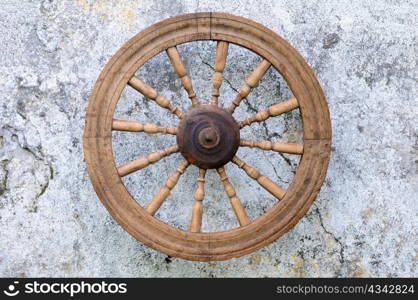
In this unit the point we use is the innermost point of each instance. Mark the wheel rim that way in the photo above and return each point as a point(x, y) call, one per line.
point(105, 175)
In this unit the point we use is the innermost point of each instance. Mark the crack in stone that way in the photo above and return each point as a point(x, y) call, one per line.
point(274, 169)
point(38, 156)
point(268, 137)
point(224, 78)
point(168, 259)
point(337, 240)
point(3, 185)
point(288, 161)
point(46, 185)
point(269, 161)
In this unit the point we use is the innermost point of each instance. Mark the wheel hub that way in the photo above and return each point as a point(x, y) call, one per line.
point(208, 137)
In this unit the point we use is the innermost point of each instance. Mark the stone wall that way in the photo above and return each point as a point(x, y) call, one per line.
point(364, 222)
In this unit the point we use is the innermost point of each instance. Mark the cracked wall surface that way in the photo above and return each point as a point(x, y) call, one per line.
point(365, 219)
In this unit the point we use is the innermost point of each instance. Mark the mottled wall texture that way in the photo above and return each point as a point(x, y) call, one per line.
point(364, 221)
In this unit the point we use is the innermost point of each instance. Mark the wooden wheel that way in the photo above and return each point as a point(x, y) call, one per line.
point(207, 136)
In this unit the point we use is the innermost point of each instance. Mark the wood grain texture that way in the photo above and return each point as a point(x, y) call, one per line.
point(97, 138)
point(250, 83)
point(235, 202)
point(290, 148)
point(272, 111)
point(181, 72)
point(265, 182)
point(152, 94)
point(164, 192)
point(199, 196)
point(131, 126)
point(144, 162)
point(220, 61)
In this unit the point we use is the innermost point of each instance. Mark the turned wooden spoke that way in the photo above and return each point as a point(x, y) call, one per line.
point(152, 94)
point(220, 61)
point(250, 83)
point(164, 192)
point(199, 196)
point(181, 72)
point(272, 111)
point(123, 125)
point(274, 146)
point(235, 202)
point(143, 162)
point(265, 182)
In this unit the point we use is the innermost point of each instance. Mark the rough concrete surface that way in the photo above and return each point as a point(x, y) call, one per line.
point(364, 222)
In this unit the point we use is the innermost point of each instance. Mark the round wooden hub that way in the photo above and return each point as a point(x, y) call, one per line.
point(208, 137)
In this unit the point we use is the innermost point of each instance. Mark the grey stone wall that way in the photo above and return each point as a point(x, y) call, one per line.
point(364, 222)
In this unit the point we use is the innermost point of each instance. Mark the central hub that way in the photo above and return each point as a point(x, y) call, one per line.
point(208, 136)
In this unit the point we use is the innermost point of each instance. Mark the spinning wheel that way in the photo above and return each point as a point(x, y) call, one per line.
point(207, 136)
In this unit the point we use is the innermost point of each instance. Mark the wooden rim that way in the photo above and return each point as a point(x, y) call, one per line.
point(106, 176)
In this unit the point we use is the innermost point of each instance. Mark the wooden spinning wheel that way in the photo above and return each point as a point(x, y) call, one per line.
point(207, 136)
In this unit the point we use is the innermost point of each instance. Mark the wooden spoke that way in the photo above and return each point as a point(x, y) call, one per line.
point(235, 202)
point(143, 162)
point(278, 147)
point(152, 94)
point(164, 192)
point(266, 183)
point(181, 72)
point(199, 196)
point(123, 125)
point(220, 60)
point(272, 111)
point(250, 83)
